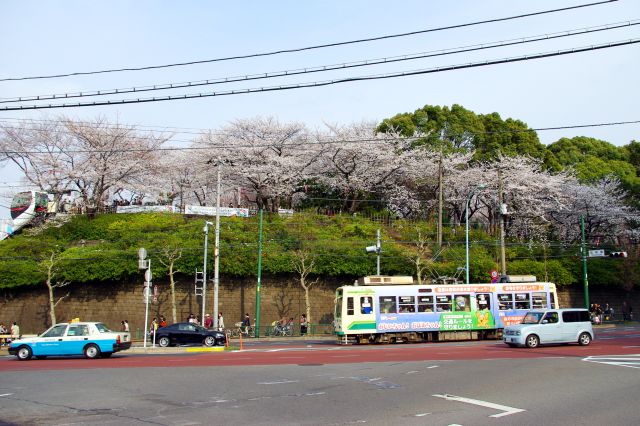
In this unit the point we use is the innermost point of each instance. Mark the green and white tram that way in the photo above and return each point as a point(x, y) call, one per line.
point(390, 309)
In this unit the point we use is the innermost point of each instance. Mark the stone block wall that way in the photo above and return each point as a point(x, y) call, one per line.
point(280, 296)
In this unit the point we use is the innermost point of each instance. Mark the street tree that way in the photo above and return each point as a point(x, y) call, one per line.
point(168, 256)
point(303, 263)
point(50, 266)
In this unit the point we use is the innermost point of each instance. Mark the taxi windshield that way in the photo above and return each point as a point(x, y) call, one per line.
point(103, 328)
point(532, 318)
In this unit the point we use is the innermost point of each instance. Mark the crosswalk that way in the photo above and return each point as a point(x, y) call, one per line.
point(632, 361)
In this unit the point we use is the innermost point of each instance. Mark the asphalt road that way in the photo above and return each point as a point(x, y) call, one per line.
point(315, 383)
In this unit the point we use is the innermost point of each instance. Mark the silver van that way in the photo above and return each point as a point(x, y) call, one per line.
point(544, 326)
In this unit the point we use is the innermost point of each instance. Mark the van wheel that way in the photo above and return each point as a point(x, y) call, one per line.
point(511, 345)
point(584, 339)
point(91, 351)
point(24, 353)
point(533, 341)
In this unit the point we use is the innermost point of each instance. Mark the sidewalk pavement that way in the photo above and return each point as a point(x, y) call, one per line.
point(138, 345)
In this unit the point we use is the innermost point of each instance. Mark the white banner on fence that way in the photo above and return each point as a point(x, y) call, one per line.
point(211, 211)
point(143, 209)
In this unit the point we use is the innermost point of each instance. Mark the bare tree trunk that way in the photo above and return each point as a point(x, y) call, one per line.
point(172, 285)
point(52, 305)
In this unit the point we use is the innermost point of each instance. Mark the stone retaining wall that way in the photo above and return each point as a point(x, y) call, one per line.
point(281, 296)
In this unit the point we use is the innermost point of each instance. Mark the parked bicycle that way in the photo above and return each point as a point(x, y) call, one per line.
point(240, 329)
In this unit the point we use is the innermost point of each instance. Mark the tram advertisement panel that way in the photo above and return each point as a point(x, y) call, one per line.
point(436, 321)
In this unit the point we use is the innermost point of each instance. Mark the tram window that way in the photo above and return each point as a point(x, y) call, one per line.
point(522, 301)
point(463, 303)
point(388, 305)
point(425, 303)
point(366, 307)
point(407, 304)
point(483, 301)
point(539, 300)
point(349, 305)
point(505, 301)
point(443, 303)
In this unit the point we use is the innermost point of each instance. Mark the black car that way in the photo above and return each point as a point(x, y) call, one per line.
point(185, 333)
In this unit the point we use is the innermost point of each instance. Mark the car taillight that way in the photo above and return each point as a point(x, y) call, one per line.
point(118, 339)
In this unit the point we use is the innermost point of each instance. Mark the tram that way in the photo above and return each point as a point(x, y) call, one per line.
point(390, 309)
point(28, 207)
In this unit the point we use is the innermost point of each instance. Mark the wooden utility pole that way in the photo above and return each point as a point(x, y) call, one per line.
point(502, 209)
point(440, 199)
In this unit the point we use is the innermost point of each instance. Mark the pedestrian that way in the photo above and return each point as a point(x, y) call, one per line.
point(122, 326)
point(220, 322)
point(625, 311)
point(303, 324)
point(192, 318)
point(246, 323)
point(208, 321)
point(154, 327)
point(3, 330)
point(163, 321)
point(15, 331)
point(126, 326)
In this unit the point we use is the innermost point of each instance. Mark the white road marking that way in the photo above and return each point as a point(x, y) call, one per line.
point(279, 382)
point(6, 394)
point(412, 372)
point(432, 366)
point(625, 347)
point(506, 410)
point(631, 361)
point(422, 414)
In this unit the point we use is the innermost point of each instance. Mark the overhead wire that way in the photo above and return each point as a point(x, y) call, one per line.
point(314, 47)
point(321, 68)
point(330, 82)
point(304, 146)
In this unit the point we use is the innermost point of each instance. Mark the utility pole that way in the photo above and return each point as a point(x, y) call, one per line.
point(216, 257)
point(503, 212)
point(259, 277)
point(583, 249)
point(440, 199)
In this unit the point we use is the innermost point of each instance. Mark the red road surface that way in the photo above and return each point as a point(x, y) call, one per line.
point(617, 343)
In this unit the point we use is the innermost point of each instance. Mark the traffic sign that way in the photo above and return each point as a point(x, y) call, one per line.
point(596, 253)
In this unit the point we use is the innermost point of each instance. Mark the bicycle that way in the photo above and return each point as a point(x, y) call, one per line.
point(282, 331)
point(240, 329)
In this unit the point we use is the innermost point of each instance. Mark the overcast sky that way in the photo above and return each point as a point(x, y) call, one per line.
point(43, 38)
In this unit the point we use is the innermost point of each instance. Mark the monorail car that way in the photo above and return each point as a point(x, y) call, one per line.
point(380, 309)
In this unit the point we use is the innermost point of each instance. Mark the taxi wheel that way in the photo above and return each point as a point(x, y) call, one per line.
point(24, 353)
point(107, 354)
point(209, 341)
point(584, 339)
point(91, 351)
point(164, 341)
point(41, 357)
point(532, 341)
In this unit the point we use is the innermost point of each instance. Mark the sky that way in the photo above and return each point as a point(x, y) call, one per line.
point(41, 38)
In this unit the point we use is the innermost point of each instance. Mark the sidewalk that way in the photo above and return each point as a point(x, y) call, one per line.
point(138, 345)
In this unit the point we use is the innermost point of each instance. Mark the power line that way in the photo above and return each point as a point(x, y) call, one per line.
point(319, 46)
point(304, 146)
point(331, 82)
point(321, 68)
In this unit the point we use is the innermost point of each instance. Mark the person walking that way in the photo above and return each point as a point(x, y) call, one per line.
point(126, 326)
point(163, 321)
point(246, 323)
point(303, 324)
point(220, 322)
point(15, 331)
point(208, 321)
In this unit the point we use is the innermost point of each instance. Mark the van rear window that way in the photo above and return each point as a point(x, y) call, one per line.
point(575, 316)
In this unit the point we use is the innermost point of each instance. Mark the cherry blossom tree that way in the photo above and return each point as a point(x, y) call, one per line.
point(264, 155)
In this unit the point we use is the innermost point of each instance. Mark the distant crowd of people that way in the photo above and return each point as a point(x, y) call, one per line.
point(600, 313)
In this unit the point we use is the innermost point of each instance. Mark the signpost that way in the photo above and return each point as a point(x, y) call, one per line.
point(143, 263)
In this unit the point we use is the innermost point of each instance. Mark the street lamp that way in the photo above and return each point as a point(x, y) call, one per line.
point(480, 187)
point(204, 271)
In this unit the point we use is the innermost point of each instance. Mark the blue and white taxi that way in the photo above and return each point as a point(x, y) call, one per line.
point(91, 339)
